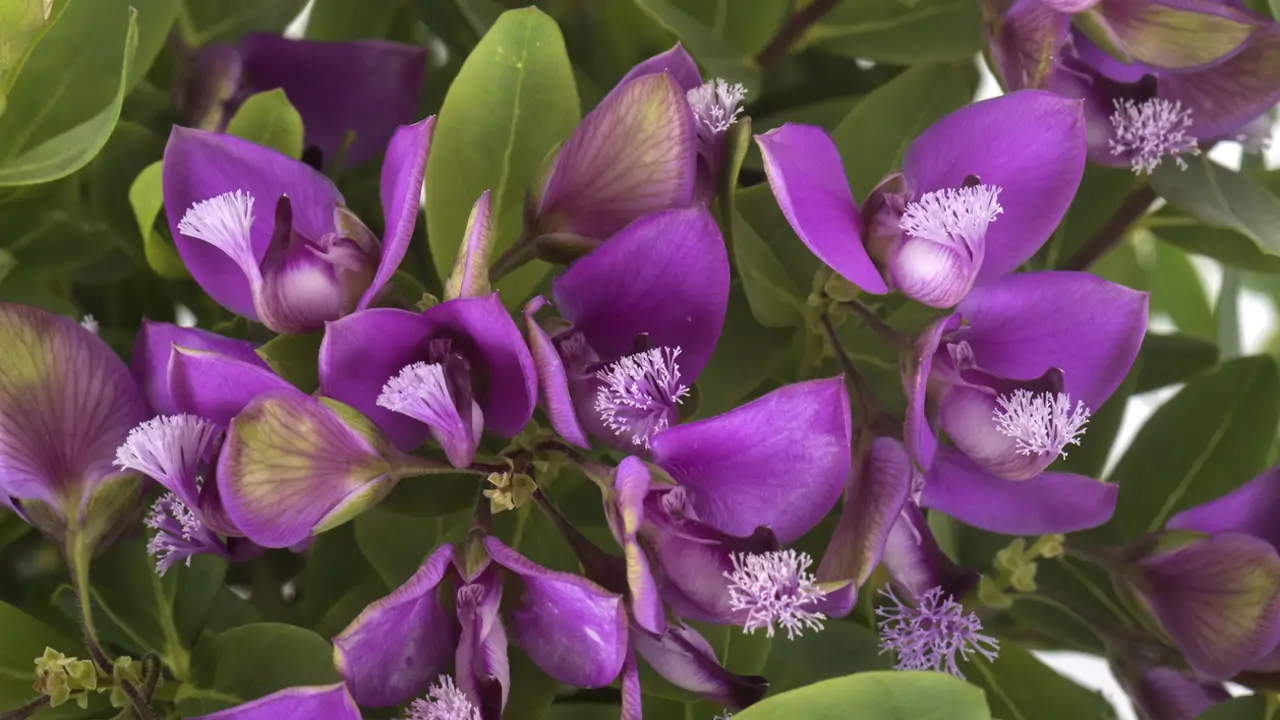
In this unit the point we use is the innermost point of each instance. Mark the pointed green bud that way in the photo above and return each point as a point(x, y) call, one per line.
point(470, 276)
point(1012, 556)
point(991, 595)
point(840, 289)
point(1024, 578)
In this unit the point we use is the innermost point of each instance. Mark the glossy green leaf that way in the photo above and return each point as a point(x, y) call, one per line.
point(890, 695)
point(1169, 359)
point(1021, 687)
point(22, 160)
point(293, 357)
point(1176, 289)
point(22, 24)
point(1253, 707)
point(1212, 437)
point(1220, 213)
point(843, 648)
point(270, 120)
point(1102, 191)
point(890, 31)
point(207, 21)
point(146, 195)
point(250, 661)
point(513, 100)
point(720, 57)
point(876, 133)
point(743, 359)
point(396, 545)
point(337, 20)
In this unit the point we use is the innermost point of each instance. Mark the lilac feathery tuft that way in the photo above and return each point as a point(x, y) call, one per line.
point(1041, 423)
point(179, 534)
point(444, 701)
point(716, 105)
point(639, 393)
point(929, 635)
point(168, 449)
point(775, 587)
point(1151, 130)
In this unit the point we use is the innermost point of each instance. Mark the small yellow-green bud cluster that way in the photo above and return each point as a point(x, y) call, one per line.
point(1016, 569)
point(63, 678)
point(124, 670)
point(510, 491)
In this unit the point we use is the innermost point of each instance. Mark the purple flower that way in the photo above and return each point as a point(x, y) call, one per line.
point(450, 371)
point(66, 404)
point(1162, 693)
point(643, 312)
point(1156, 77)
point(1213, 583)
point(365, 88)
point(313, 260)
point(928, 634)
point(154, 359)
point(1011, 378)
point(727, 514)
point(979, 192)
point(331, 702)
point(179, 452)
point(444, 701)
point(573, 629)
point(775, 587)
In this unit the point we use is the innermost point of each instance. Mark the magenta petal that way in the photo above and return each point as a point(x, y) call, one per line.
point(917, 564)
point(366, 87)
point(1051, 502)
point(917, 431)
point(1251, 509)
point(631, 486)
point(289, 462)
point(201, 165)
point(556, 398)
point(401, 192)
point(1022, 325)
point(393, 650)
point(351, 373)
point(154, 346)
point(493, 344)
point(483, 671)
point(1163, 693)
point(216, 386)
point(808, 180)
point(872, 504)
point(666, 275)
point(1026, 39)
point(1218, 598)
point(575, 630)
point(684, 658)
point(66, 403)
point(779, 461)
point(1030, 143)
point(331, 702)
point(675, 61)
point(636, 153)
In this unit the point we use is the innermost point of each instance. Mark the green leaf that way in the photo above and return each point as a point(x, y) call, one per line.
point(876, 133)
point(195, 594)
point(293, 357)
point(1211, 438)
point(889, 31)
point(1102, 191)
point(397, 544)
point(877, 696)
point(1253, 707)
point(744, 357)
point(1176, 289)
point(146, 195)
point(1020, 687)
point(1216, 212)
point(718, 56)
point(25, 639)
point(844, 648)
point(268, 119)
point(513, 100)
point(22, 24)
point(250, 661)
point(127, 590)
point(130, 150)
point(208, 21)
point(1169, 359)
point(532, 690)
point(337, 20)
point(7, 263)
point(22, 162)
point(1104, 424)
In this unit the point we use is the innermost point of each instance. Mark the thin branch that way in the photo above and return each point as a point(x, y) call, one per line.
point(1133, 207)
point(27, 710)
point(868, 403)
point(792, 30)
point(881, 328)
